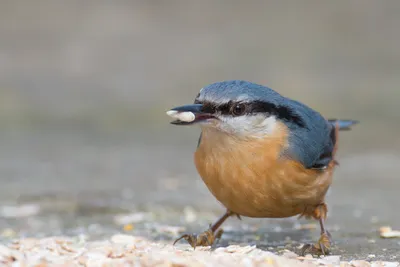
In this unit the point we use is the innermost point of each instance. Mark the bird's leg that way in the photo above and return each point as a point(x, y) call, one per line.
point(208, 237)
point(323, 245)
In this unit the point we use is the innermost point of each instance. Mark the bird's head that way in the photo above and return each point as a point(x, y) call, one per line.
point(237, 107)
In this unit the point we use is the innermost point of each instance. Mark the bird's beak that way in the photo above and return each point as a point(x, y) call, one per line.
point(188, 114)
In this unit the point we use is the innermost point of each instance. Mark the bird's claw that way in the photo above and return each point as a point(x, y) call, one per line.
point(207, 238)
point(322, 247)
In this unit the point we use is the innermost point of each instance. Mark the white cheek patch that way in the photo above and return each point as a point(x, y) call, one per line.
point(185, 116)
point(251, 126)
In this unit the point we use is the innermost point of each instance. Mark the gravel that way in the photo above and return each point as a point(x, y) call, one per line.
point(127, 250)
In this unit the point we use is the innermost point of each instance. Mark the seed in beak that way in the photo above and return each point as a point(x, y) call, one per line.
point(185, 116)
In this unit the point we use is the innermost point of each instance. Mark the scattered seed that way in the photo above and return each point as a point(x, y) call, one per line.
point(360, 263)
point(128, 227)
point(127, 250)
point(388, 232)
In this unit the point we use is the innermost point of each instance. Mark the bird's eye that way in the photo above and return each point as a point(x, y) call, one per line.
point(238, 109)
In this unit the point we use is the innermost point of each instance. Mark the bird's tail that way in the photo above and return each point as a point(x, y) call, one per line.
point(343, 124)
point(339, 125)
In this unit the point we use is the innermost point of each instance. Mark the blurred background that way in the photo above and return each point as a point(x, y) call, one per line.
point(84, 86)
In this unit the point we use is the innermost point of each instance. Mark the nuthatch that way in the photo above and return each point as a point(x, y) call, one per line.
point(262, 155)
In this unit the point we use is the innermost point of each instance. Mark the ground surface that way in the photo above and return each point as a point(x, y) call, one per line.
point(126, 250)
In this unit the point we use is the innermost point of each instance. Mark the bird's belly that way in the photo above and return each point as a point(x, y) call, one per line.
point(275, 190)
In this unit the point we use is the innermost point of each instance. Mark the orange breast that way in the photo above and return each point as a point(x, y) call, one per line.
point(250, 178)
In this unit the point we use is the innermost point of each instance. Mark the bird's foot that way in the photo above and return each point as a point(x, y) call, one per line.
point(322, 247)
point(207, 238)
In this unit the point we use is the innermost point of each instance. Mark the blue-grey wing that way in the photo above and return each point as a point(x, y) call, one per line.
point(314, 145)
point(312, 141)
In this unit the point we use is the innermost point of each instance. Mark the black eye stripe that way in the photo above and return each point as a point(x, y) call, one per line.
point(282, 112)
point(208, 108)
point(224, 109)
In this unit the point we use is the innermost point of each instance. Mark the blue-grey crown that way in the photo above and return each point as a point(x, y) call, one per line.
point(235, 90)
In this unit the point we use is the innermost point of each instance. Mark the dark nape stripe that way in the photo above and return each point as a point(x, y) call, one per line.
point(282, 112)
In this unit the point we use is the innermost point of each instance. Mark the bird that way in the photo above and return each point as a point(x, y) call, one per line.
point(262, 155)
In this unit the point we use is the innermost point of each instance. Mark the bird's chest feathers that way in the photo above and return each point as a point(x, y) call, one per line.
point(220, 155)
point(251, 177)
